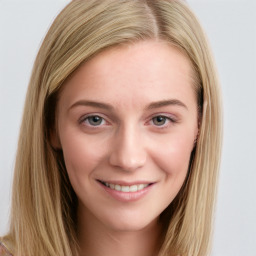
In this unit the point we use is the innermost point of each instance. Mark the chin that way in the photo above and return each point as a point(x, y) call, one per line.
point(130, 224)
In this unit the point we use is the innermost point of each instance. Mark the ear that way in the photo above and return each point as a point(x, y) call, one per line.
point(55, 140)
point(198, 132)
point(196, 137)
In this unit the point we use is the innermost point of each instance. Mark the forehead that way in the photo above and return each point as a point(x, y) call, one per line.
point(141, 69)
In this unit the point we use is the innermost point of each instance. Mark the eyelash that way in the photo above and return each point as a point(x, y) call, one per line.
point(87, 118)
point(168, 121)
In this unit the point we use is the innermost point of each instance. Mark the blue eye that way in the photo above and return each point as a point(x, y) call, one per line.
point(94, 120)
point(160, 120)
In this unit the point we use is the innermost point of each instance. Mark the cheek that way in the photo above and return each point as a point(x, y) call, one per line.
point(81, 155)
point(76, 166)
point(172, 155)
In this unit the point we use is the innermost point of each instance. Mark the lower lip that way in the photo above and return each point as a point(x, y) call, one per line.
point(127, 196)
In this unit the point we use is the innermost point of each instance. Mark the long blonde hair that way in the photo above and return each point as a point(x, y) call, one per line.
point(43, 217)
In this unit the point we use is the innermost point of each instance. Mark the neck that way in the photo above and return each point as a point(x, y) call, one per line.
point(98, 240)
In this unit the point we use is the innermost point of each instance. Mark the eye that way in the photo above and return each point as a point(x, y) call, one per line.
point(160, 120)
point(163, 121)
point(94, 120)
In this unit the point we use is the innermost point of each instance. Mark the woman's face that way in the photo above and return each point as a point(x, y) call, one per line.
point(127, 121)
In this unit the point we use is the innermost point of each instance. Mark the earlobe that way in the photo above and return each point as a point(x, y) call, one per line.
point(197, 135)
point(55, 140)
point(195, 140)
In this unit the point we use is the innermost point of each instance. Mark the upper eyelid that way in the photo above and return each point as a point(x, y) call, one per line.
point(167, 118)
point(115, 119)
point(82, 118)
point(167, 115)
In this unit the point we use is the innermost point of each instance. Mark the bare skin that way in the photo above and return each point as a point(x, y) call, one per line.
point(143, 242)
point(127, 122)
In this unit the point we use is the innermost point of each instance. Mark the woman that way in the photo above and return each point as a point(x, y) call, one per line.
point(120, 141)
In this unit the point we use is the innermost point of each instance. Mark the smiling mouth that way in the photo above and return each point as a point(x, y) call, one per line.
point(126, 189)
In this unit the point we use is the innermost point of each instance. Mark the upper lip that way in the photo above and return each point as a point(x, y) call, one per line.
point(125, 183)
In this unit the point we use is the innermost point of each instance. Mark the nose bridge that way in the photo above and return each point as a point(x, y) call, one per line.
point(128, 152)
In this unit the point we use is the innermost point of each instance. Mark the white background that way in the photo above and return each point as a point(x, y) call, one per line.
point(231, 28)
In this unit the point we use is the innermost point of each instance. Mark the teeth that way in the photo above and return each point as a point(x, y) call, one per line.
point(125, 189)
point(118, 187)
point(133, 188)
point(140, 187)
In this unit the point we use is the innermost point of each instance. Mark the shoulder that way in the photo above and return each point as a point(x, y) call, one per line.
point(3, 250)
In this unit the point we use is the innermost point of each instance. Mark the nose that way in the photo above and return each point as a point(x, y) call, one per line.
point(128, 152)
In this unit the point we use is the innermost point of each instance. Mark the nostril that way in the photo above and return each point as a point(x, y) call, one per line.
point(128, 152)
point(127, 161)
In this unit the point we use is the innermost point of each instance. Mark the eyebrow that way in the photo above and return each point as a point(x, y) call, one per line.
point(153, 105)
point(164, 103)
point(92, 104)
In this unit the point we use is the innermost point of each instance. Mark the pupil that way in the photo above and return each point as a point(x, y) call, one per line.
point(159, 120)
point(95, 120)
